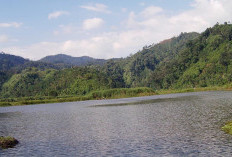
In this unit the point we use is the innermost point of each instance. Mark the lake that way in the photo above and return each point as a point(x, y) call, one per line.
point(186, 124)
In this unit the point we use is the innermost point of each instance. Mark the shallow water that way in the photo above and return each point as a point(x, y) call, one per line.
point(166, 125)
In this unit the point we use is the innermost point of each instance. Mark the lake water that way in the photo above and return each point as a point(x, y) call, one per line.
point(166, 125)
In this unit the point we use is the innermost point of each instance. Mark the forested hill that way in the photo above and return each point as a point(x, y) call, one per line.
point(9, 61)
point(69, 60)
point(206, 61)
point(72, 81)
point(137, 70)
point(15, 64)
point(189, 60)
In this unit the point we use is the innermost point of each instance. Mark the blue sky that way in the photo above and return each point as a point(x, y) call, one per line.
point(100, 28)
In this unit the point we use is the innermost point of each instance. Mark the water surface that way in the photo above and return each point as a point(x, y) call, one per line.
point(166, 125)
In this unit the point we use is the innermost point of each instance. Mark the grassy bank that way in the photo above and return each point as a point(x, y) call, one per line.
point(95, 95)
point(199, 89)
point(105, 94)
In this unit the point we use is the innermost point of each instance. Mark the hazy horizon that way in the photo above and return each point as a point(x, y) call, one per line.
point(55, 54)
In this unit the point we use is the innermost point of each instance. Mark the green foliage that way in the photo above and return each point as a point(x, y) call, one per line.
point(187, 61)
point(9, 61)
point(53, 93)
point(99, 94)
point(228, 128)
point(5, 104)
point(73, 61)
point(7, 142)
point(190, 60)
point(3, 78)
point(74, 81)
point(121, 92)
point(137, 70)
point(114, 70)
point(205, 61)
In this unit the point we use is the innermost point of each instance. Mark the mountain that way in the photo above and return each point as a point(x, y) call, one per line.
point(137, 70)
point(9, 61)
point(186, 61)
point(73, 81)
point(11, 65)
point(206, 61)
point(69, 60)
point(39, 66)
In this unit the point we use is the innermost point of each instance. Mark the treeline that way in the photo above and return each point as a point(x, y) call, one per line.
point(187, 61)
point(51, 82)
point(190, 60)
point(72, 61)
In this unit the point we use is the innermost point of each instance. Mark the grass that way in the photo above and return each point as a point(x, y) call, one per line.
point(122, 93)
point(95, 95)
point(228, 128)
point(199, 89)
point(7, 142)
point(106, 94)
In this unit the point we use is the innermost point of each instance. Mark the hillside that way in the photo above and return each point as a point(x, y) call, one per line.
point(11, 65)
point(206, 61)
point(137, 69)
point(187, 61)
point(9, 61)
point(73, 81)
point(69, 60)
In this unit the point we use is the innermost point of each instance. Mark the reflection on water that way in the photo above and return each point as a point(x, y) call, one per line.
point(168, 125)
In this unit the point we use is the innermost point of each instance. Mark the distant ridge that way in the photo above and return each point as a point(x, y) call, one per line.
point(8, 61)
point(190, 60)
point(76, 61)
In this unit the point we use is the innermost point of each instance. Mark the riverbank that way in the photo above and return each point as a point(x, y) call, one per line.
point(95, 95)
point(200, 89)
point(106, 94)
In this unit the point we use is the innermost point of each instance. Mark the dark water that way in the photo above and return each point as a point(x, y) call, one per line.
point(168, 125)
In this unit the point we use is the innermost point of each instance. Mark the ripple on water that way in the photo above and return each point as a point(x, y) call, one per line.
point(166, 125)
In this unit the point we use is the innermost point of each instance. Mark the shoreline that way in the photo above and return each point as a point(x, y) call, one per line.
point(116, 93)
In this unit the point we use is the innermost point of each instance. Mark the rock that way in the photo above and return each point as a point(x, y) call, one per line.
point(8, 142)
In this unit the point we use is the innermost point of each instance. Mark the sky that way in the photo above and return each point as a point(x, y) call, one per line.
point(101, 28)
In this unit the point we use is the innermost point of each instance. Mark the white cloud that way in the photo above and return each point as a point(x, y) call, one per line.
point(93, 23)
point(151, 11)
point(107, 45)
point(97, 7)
point(3, 38)
point(11, 24)
point(91, 47)
point(7, 39)
point(151, 25)
point(56, 14)
point(65, 29)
